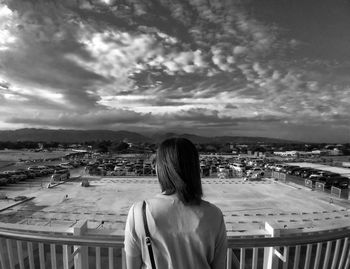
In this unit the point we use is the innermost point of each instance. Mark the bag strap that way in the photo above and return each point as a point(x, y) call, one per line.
point(148, 236)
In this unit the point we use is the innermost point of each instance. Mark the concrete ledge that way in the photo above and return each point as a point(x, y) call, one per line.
point(52, 185)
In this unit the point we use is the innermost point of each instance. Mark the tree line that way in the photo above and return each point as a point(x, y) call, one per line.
point(105, 146)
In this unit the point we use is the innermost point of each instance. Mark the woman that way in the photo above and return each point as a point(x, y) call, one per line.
point(187, 232)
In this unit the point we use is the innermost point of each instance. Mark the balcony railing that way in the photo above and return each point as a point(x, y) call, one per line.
point(27, 246)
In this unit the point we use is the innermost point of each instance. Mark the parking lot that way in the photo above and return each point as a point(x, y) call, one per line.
point(246, 205)
point(115, 183)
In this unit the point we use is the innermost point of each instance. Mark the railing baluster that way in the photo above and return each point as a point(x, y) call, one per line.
point(336, 254)
point(328, 253)
point(318, 255)
point(296, 257)
point(347, 264)
point(229, 259)
point(110, 258)
point(242, 259)
point(10, 253)
point(285, 264)
point(41, 256)
point(65, 256)
point(20, 254)
point(343, 254)
point(308, 256)
point(81, 259)
point(123, 259)
point(98, 258)
point(255, 258)
point(2, 251)
point(53, 256)
point(30, 255)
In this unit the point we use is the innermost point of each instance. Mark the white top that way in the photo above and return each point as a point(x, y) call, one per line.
point(183, 236)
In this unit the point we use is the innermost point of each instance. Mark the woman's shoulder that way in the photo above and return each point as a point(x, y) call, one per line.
point(162, 202)
point(151, 203)
point(214, 209)
point(135, 207)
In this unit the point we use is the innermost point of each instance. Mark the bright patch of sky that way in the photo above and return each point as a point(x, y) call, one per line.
point(255, 67)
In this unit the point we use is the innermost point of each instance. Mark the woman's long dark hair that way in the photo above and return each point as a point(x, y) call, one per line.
point(178, 170)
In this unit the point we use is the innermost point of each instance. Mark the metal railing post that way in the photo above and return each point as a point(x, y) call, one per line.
point(81, 259)
point(270, 259)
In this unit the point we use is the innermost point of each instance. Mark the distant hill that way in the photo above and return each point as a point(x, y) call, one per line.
point(222, 139)
point(70, 136)
point(77, 136)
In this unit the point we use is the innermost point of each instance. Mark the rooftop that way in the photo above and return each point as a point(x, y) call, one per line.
point(246, 205)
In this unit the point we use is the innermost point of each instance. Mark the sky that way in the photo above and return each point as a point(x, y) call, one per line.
point(269, 68)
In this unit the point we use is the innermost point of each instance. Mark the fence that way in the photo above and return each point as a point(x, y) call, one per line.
point(23, 246)
point(227, 173)
point(308, 183)
point(279, 176)
point(319, 186)
point(340, 193)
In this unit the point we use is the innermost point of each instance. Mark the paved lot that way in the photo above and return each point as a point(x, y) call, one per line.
point(246, 205)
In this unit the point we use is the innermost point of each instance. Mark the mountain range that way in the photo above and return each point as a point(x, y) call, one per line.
point(79, 136)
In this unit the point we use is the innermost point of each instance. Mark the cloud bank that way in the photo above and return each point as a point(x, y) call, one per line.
point(170, 65)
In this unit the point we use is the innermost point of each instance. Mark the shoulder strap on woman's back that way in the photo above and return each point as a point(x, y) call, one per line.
point(148, 236)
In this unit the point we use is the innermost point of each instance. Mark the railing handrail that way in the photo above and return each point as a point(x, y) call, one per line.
point(85, 240)
point(108, 240)
point(290, 240)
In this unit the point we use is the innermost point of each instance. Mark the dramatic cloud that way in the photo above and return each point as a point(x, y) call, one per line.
point(242, 67)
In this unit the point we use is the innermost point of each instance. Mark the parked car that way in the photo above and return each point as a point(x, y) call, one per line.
point(290, 168)
point(31, 168)
point(120, 172)
point(66, 165)
point(307, 172)
point(315, 179)
point(213, 169)
point(29, 174)
point(107, 166)
point(238, 167)
point(53, 166)
point(15, 177)
point(254, 171)
point(299, 172)
point(339, 182)
point(296, 171)
point(331, 175)
point(253, 176)
point(4, 179)
point(324, 174)
point(279, 167)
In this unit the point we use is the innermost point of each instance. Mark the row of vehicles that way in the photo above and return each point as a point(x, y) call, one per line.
point(120, 167)
point(329, 179)
point(232, 167)
point(57, 172)
point(210, 166)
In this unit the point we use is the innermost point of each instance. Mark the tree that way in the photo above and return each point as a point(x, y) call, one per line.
point(210, 148)
point(118, 146)
point(103, 146)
